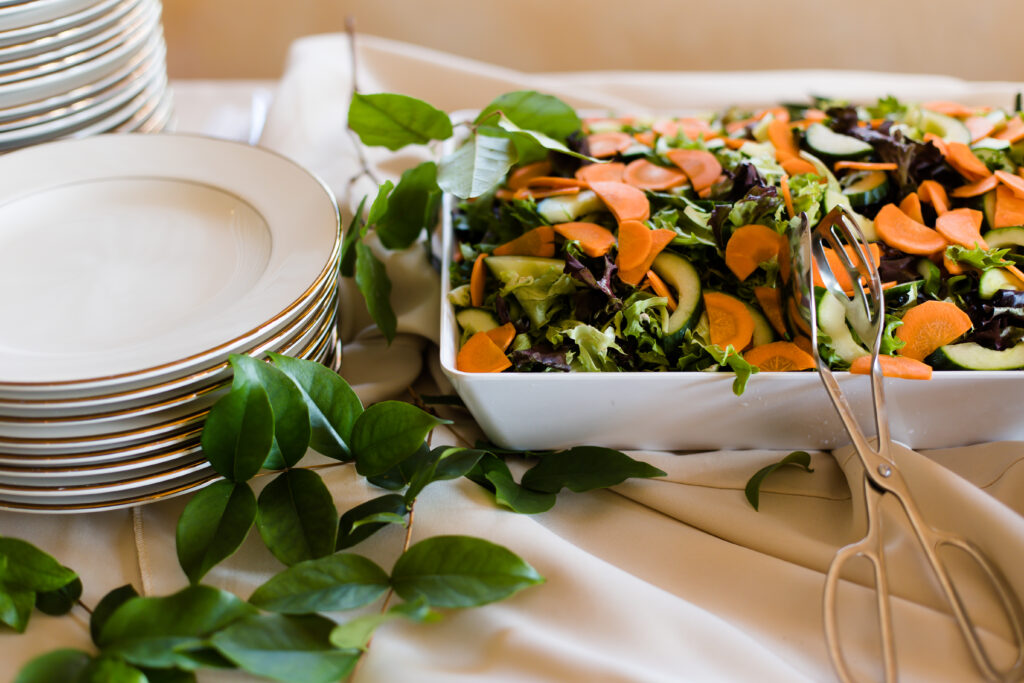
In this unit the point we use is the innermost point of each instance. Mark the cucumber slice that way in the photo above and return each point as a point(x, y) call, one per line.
point(532, 266)
point(567, 208)
point(991, 143)
point(827, 143)
point(971, 356)
point(902, 294)
point(1005, 237)
point(763, 332)
point(834, 198)
point(680, 275)
point(993, 280)
point(832, 321)
point(988, 206)
point(865, 187)
point(473, 320)
point(460, 296)
point(946, 127)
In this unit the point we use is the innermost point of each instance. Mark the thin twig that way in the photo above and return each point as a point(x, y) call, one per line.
point(350, 29)
point(84, 606)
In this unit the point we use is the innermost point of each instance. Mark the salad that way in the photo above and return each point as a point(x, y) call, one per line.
point(660, 244)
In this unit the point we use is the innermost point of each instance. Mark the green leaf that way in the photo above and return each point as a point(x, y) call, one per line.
point(297, 518)
point(291, 417)
point(537, 137)
point(156, 631)
point(294, 649)
point(239, 432)
point(387, 433)
point(30, 568)
point(108, 605)
point(169, 676)
point(460, 571)
point(408, 207)
point(982, 259)
point(477, 166)
point(394, 121)
point(333, 406)
point(401, 475)
point(336, 582)
point(585, 468)
point(110, 670)
point(59, 602)
point(362, 521)
point(355, 634)
point(59, 665)
point(213, 525)
point(372, 280)
point(535, 111)
point(753, 487)
point(354, 232)
point(445, 462)
point(16, 606)
point(493, 474)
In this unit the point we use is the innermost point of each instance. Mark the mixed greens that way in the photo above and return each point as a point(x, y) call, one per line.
point(659, 244)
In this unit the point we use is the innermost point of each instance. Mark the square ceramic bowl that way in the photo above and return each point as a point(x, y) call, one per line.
point(698, 410)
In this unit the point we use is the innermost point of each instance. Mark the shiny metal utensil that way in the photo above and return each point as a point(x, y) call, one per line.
point(881, 475)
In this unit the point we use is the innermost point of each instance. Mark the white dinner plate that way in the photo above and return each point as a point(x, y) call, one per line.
point(150, 254)
point(166, 478)
point(63, 21)
point(68, 37)
point(111, 502)
point(40, 11)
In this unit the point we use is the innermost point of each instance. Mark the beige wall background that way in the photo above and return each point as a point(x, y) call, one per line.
point(980, 40)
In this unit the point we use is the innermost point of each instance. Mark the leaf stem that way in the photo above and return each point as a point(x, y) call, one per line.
point(84, 606)
point(350, 29)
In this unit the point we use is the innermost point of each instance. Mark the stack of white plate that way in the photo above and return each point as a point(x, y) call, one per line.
point(72, 68)
point(131, 267)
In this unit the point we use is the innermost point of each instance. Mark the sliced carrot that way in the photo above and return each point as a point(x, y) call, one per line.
point(932, 193)
point(952, 267)
point(796, 166)
point(1009, 208)
point(608, 144)
point(977, 188)
point(835, 264)
point(815, 115)
point(902, 232)
point(804, 343)
point(950, 108)
point(1014, 131)
point(1015, 183)
point(938, 142)
point(661, 289)
point(780, 356)
point(537, 242)
point(930, 325)
point(478, 281)
point(979, 127)
point(729, 320)
point(692, 128)
point(734, 143)
point(734, 126)
point(645, 138)
point(795, 318)
point(778, 113)
point(521, 177)
point(893, 366)
point(911, 205)
point(505, 194)
point(550, 181)
point(626, 202)
point(647, 176)
point(866, 165)
point(770, 300)
point(592, 173)
point(634, 244)
point(541, 193)
point(749, 246)
point(481, 354)
point(659, 240)
point(787, 196)
point(594, 240)
point(781, 137)
point(965, 162)
point(700, 166)
point(963, 227)
point(502, 335)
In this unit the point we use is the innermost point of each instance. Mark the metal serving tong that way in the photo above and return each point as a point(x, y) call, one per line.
point(881, 475)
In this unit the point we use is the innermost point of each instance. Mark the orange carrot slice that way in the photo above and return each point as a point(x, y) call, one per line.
point(659, 240)
point(963, 227)
point(866, 165)
point(734, 126)
point(1014, 131)
point(781, 137)
point(645, 138)
point(932, 193)
point(634, 244)
point(729, 320)
point(661, 289)
point(700, 166)
point(1009, 208)
point(608, 144)
point(911, 205)
point(796, 166)
point(541, 193)
point(626, 202)
point(950, 108)
point(930, 325)
point(478, 281)
point(770, 300)
point(778, 113)
point(787, 196)
point(481, 354)
point(548, 182)
point(749, 246)
point(537, 242)
point(804, 343)
point(839, 270)
point(734, 143)
point(902, 232)
point(965, 162)
point(780, 356)
point(1015, 183)
point(952, 267)
point(977, 188)
point(938, 142)
point(979, 127)
point(594, 240)
point(521, 177)
point(795, 318)
point(601, 172)
point(502, 336)
point(647, 176)
point(893, 366)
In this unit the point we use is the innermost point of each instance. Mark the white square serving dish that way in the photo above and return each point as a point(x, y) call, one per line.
point(698, 410)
